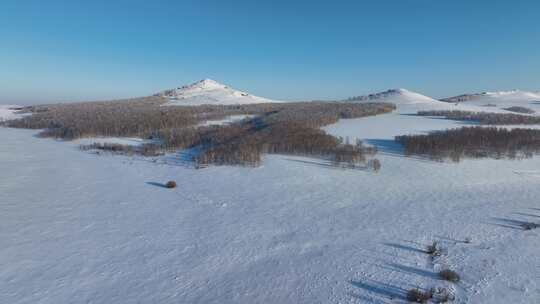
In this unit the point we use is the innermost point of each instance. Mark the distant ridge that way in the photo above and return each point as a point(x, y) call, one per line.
point(396, 96)
point(513, 95)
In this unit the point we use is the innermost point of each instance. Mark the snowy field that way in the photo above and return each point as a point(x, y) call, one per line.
point(76, 227)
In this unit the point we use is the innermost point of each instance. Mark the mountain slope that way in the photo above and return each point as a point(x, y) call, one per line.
point(508, 96)
point(210, 92)
point(396, 96)
point(499, 100)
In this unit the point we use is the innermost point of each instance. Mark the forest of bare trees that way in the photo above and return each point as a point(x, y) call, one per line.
point(284, 128)
point(485, 118)
point(473, 142)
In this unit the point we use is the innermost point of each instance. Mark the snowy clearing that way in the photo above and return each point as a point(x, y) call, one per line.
point(225, 121)
point(131, 141)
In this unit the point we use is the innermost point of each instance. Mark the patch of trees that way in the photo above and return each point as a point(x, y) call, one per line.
point(473, 142)
point(284, 128)
point(485, 118)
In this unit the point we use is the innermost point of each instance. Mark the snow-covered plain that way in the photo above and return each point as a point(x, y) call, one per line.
point(77, 227)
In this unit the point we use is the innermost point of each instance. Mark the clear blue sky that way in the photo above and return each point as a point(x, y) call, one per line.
point(93, 49)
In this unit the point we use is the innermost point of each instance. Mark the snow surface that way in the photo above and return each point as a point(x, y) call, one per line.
point(225, 121)
point(8, 112)
point(81, 228)
point(209, 92)
point(130, 141)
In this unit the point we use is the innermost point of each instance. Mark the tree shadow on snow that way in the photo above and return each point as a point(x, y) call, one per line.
point(511, 223)
point(378, 288)
point(391, 147)
point(404, 247)
point(526, 214)
point(161, 185)
point(328, 164)
point(457, 121)
point(411, 270)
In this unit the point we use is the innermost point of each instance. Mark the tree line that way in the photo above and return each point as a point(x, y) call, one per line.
point(485, 118)
point(473, 142)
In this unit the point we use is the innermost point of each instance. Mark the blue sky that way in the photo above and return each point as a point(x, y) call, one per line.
point(84, 50)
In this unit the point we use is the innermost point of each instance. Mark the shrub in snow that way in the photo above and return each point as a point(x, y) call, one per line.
point(449, 275)
point(374, 164)
point(170, 184)
point(433, 249)
point(530, 226)
point(441, 295)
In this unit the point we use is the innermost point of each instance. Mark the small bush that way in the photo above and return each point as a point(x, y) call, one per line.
point(433, 249)
point(442, 295)
point(375, 164)
point(449, 275)
point(170, 184)
point(418, 296)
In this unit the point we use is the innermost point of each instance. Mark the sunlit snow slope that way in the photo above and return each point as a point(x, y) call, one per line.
point(499, 99)
point(210, 92)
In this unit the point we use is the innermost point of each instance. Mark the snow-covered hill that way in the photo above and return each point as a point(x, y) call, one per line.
point(513, 95)
point(500, 99)
point(411, 102)
point(396, 96)
point(210, 92)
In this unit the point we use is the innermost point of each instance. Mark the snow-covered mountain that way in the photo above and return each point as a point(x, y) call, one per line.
point(396, 96)
point(210, 92)
point(513, 95)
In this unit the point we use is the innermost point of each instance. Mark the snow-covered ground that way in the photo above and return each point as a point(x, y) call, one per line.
point(209, 92)
point(76, 227)
point(129, 141)
point(8, 112)
point(225, 121)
